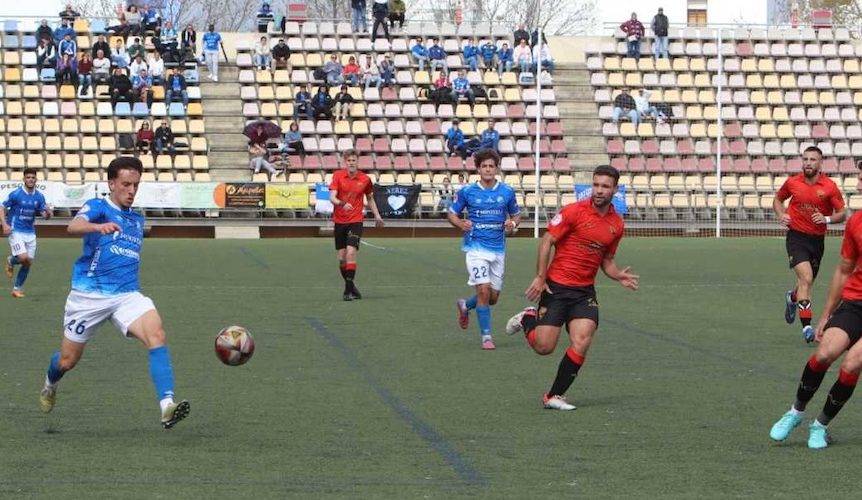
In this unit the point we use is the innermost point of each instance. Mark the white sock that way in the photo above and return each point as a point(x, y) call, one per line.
point(165, 402)
point(486, 338)
point(796, 412)
point(48, 384)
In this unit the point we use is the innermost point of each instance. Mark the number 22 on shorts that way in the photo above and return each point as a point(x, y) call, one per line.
point(480, 272)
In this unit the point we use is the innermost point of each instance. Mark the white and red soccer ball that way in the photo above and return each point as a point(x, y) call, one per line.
point(234, 346)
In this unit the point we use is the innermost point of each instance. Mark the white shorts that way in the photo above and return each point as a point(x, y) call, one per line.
point(22, 243)
point(485, 267)
point(86, 311)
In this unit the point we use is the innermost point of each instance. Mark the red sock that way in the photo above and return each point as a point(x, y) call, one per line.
point(350, 271)
point(531, 337)
point(793, 296)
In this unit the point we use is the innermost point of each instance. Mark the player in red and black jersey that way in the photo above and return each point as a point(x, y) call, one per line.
point(348, 191)
point(584, 237)
point(838, 330)
point(815, 202)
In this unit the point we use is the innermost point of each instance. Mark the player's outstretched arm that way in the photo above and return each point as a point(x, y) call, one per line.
point(624, 276)
point(81, 226)
point(378, 220)
point(539, 283)
point(842, 271)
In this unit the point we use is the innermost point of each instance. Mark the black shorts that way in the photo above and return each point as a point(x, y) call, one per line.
point(803, 247)
point(566, 303)
point(348, 234)
point(848, 317)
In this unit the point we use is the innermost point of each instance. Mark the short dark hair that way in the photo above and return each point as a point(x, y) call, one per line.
point(124, 163)
point(486, 154)
point(811, 149)
point(349, 152)
point(608, 171)
point(30, 170)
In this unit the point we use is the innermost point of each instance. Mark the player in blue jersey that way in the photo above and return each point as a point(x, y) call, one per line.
point(492, 213)
point(23, 205)
point(212, 42)
point(105, 286)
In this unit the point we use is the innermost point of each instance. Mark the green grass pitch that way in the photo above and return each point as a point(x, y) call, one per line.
point(387, 397)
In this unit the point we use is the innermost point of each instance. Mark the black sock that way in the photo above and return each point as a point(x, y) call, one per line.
point(838, 395)
point(566, 373)
point(343, 270)
point(812, 376)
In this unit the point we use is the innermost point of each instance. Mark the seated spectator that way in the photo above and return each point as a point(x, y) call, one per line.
point(387, 70)
point(442, 91)
point(137, 65)
point(490, 138)
point(190, 39)
point(150, 17)
point(523, 57)
point(321, 104)
point(396, 13)
point(156, 66)
point(85, 74)
point(69, 14)
point(461, 88)
point(420, 53)
point(380, 11)
point(625, 105)
point(144, 138)
point(471, 55)
point(293, 140)
point(142, 86)
point(163, 139)
point(63, 30)
point(46, 56)
point(455, 140)
point(644, 107)
point(634, 31)
point(343, 101)
point(257, 136)
point(175, 88)
point(262, 53)
point(259, 161)
point(100, 44)
point(67, 71)
point(505, 59)
point(665, 111)
point(123, 29)
point(370, 73)
point(437, 57)
point(119, 56)
point(136, 49)
point(447, 196)
point(351, 72)
point(67, 46)
point(120, 87)
point(264, 17)
point(101, 67)
point(542, 53)
point(332, 69)
point(534, 37)
point(520, 34)
point(488, 50)
point(44, 31)
point(302, 103)
point(169, 37)
point(280, 55)
point(134, 18)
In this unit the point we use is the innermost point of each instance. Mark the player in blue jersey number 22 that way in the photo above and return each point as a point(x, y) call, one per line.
point(105, 286)
point(492, 213)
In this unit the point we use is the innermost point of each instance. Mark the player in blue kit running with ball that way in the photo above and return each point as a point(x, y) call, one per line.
point(105, 286)
point(22, 206)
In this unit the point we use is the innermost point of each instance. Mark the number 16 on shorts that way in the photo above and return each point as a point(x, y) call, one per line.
point(485, 267)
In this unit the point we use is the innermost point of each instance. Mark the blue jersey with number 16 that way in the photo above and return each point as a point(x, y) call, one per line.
point(488, 210)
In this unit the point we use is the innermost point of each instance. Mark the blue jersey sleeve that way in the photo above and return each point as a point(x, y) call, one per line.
point(43, 204)
point(10, 200)
point(92, 211)
point(512, 204)
point(460, 201)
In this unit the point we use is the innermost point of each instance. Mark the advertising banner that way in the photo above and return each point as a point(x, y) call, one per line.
point(287, 196)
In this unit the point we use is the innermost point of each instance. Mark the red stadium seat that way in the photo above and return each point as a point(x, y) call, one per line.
point(654, 165)
point(847, 166)
point(312, 162)
point(437, 163)
point(562, 164)
point(515, 111)
point(526, 164)
point(431, 127)
point(830, 165)
point(637, 164)
point(672, 164)
point(619, 163)
point(820, 131)
point(401, 162)
point(794, 165)
point(558, 146)
point(383, 162)
point(365, 162)
point(649, 147)
point(363, 145)
point(776, 166)
point(454, 162)
point(706, 165)
point(684, 147)
point(759, 166)
point(381, 145)
point(738, 147)
point(330, 162)
point(615, 147)
point(741, 165)
point(555, 129)
point(688, 165)
point(418, 162)
point(732, 130)
point(744, 49)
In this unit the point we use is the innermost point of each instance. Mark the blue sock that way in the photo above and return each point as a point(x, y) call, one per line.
point(54, 371)
point(22, 276)
point(13, 260)
point(471, 303)
point(484, 314)
point(162, 372)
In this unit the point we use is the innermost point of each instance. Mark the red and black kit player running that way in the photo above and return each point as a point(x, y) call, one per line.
point(815, 202)
point(584, 237)
point(348, 192)
point(838, 330)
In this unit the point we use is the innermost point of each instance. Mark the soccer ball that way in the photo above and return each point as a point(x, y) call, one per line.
point(234, 345)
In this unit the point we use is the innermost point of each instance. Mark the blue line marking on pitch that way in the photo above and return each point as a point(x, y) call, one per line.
point(435, 440)
point(257, 260)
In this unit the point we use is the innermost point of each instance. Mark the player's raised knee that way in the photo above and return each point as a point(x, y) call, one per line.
point(25, 261)
point(543, 348)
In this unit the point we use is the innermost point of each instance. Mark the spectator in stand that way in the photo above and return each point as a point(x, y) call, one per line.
point(302, 103)
point(490, 138)
point(625, 105)
point(660, 26)
point(262, 53)
point(644, 107)
point(119, 56)
point(212, 41)
point(396, 13)
point(168, 37)
point(66, 70)
point(420, 53)
point(137, 65)
point(634, 31)
point(156, 68)
point(461, 88)
point(264, 17)
point(352, 72)
point(542, 55)
point(488, 50)
point(387, 70)
point(280, 55)
point(523, 57)
point(46, 56)
point(136, 49)
point(358, 10)
point(175, 88)
point(505, 59)
point(150, 17)
point(121, 29)
point(520, 34)
point(293, 140)
point(134, 18)
point(142, 86)
point(163, 139)
point(63, 30)
point(370, 73)
point(189, 39)
point(447, 196)
point(44, 31)
point(101, 67)
point(442, 90)
point(534, 37)
point(101, 44)
point(343, 101)
point(471, 55)
point(85, 74)
point(455, 140)
point(69, 14)
point(67, 46)
point(380, 11)
point(332, 69)
point(258, 152)
point(321, 104)
point(437, 57)
point(144, 138)
point(120, 87)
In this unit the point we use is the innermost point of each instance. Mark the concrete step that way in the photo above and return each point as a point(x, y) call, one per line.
point(225, 107)
point(227, 141)
point(223, 125)
point(227, 90)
